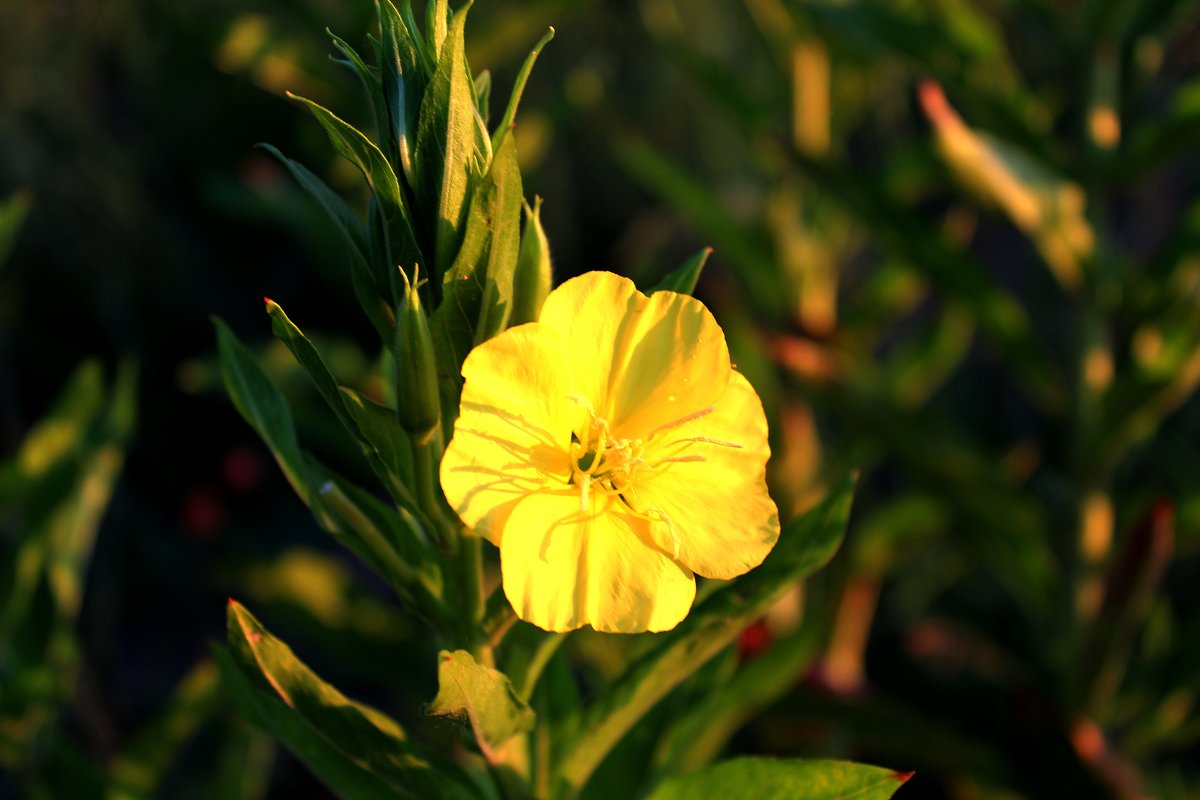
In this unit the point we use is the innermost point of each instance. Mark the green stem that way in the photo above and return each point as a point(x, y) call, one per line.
point(429, 494)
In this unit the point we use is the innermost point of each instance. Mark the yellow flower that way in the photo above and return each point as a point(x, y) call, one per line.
point(610, 451)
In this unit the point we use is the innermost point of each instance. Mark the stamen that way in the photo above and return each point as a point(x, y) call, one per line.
point(704, 412)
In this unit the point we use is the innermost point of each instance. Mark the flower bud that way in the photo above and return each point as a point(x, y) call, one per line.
point(532, 279)
point(417, 404)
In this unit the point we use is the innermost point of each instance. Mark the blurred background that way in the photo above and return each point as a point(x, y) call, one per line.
point(957, 247)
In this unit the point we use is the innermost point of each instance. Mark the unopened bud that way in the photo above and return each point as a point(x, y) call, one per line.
point(417, 404)
point(532, 279)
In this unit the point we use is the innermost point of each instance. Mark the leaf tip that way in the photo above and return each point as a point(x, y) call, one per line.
point(902, 777)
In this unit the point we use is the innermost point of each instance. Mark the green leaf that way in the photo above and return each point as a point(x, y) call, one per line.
point(379, 426)
point(400, 243)
point(784, 779)
point(684, 277)
point(139, 770)
point(477, 290)
point(393, 542)
point(373, 87)
point(437, 12)
point(374, 297)
point(805, 544)
point(404, 77)
point(262, 405)
point(445, 154)
point(388, 465)
point(534, 273)
point(482, 698)
point(514, 100)
point(356, 750)
point(12, 216)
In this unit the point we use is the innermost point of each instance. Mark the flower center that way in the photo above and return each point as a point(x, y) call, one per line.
point(601, 461)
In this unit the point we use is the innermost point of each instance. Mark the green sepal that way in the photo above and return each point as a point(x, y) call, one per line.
point(445, 159)
point(683, 278)
point(794, 779)
point(481, 698)
point(534, 273)
point(356, 750)
point(417, 405)
point(805, 544)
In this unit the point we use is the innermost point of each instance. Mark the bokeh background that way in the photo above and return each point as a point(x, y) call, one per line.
point(957, 248)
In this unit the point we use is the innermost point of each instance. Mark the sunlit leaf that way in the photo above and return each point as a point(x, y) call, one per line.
point(480, 697)
point(784, 779)
point(356, 750)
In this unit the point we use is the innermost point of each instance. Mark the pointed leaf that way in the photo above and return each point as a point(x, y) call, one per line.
point(477, 290)
point(480, 697)
point(683, 278)
point(784, 779)
point(262, 405)
point(514, 100)
point(401, 243)
point(347, 407)
point(403, 75)
point(373, 87)
point(373, 296)
point(445, 163)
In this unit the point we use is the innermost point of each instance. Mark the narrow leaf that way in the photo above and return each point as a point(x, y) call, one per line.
point(262, 405)
point(446, 143)
point(784, 779)
point(401, 243)
point(477, 295)
point(373, 296)
point(683, 278)
point(514, 100)
point(403, 76)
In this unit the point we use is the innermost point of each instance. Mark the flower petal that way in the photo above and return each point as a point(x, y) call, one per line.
point(513, 430)
point(564, 568)
point(715, 513)
point(642, 361)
